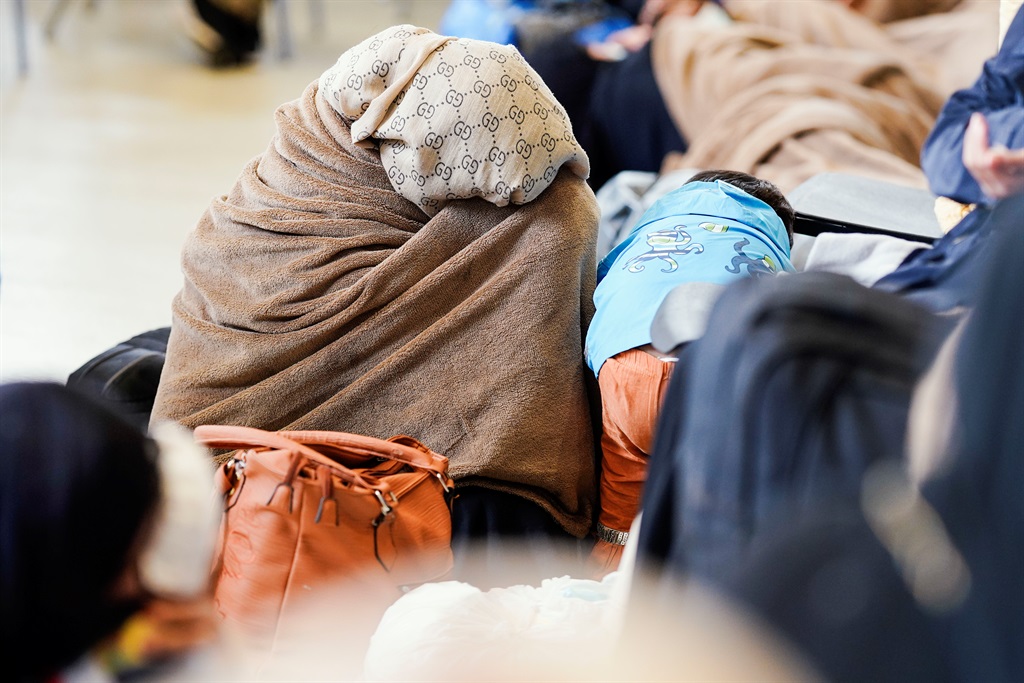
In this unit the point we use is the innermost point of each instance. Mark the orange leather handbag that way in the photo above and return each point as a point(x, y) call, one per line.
point(307, 510)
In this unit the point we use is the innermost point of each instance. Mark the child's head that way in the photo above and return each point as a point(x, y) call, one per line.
point(762, 189)
point(92, 524)
point(79, 486)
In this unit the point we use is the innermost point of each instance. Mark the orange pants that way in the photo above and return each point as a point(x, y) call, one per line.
point(633, 385)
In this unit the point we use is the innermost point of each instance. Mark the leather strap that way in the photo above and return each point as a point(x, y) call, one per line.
point(229, 436)
point(370, 447)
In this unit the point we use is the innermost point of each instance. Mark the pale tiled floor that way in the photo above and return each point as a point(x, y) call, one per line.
point(110, 150)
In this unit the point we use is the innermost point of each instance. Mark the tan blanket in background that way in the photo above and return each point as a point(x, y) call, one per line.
point(766, 101)
point(955, 43)
point(941, 41)
point(317, 297)
point(885, 11)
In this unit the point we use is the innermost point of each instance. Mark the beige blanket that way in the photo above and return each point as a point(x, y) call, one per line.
point(785, 104)
point(317, 297)
point(885, 11)
point(943, 42)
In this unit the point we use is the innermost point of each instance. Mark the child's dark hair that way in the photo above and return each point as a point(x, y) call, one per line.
point(77, 488)
point(762, 189)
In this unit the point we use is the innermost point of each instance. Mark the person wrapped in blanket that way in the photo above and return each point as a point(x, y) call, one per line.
point(718, 227)
point(603, 68)
point(414, 254)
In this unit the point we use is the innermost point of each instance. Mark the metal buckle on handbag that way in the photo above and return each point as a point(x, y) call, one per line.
point(449, 491)
point(385, 510)
point(444, 484)
point(611, 535)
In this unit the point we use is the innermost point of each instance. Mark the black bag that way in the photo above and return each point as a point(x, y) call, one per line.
point(799, 383)
point(125, 377)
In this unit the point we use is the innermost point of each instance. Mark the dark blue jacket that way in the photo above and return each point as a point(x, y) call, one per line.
point(827, 582)
point(799, 384)
point(940, 278)
point(999, 95)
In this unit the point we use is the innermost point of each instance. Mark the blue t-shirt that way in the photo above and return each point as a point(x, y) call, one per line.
point(702, 232)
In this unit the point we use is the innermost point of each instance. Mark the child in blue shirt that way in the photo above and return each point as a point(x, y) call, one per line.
point(718, 227)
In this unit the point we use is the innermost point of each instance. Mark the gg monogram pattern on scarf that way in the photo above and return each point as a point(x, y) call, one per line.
point(453, 118)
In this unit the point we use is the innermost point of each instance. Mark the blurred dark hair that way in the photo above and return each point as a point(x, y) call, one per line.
point(762, 189)
point(77, 488)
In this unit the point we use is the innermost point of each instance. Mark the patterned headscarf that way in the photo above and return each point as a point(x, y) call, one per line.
point(453, 118)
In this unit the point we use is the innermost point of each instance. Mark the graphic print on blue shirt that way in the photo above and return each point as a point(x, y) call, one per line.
point(702, 232)
point(663, 244)
point(756, 266)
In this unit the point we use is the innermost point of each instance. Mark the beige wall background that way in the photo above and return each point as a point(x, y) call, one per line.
point(112, 146)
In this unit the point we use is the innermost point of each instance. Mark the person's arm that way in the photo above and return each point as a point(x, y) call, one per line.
point(999, 95)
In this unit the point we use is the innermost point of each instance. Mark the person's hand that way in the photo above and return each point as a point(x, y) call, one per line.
point(653, 10)
point(178, 626)
point(161, 629)
point(998, 170)
point(632, 38)
point(620, 43)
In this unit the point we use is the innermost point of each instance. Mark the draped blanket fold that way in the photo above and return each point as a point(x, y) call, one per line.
point(318, 297)
point(774, 102)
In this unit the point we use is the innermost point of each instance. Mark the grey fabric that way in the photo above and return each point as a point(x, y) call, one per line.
point(683, 315)
point(856, 201)
point(865, 258)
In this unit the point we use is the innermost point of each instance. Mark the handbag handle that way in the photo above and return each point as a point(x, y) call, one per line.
point(369, 447)
point(230, 436)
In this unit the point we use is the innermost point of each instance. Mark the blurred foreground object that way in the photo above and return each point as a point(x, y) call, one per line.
point(99, 524)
